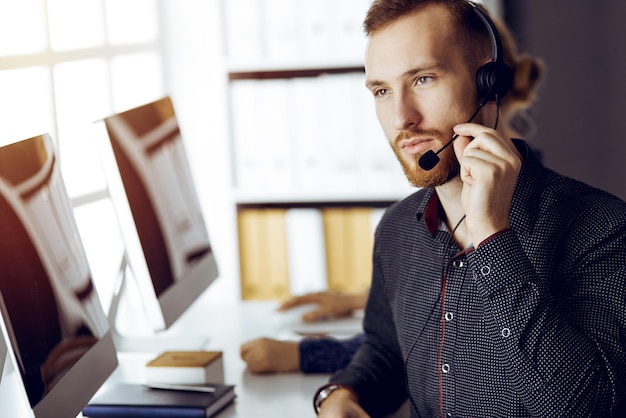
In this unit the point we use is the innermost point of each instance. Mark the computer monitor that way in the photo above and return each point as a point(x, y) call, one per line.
point(167, 244)
point(58, 336)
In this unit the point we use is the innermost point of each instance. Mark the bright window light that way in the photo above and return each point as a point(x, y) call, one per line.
point(103, 245)
point(134, 21)
point(137, 79)
point(82, 96)
point(84, 20)
point(25, 104)
point(22, 27)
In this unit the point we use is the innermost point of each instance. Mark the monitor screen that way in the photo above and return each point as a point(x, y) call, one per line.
point(57, 332)
point(150, 184)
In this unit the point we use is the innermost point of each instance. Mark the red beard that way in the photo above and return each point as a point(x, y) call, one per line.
point(446, 169)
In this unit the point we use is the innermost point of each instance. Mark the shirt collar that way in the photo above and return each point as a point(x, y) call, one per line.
point(428, 210)
point(432, 217)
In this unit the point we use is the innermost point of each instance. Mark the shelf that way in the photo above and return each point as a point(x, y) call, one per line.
point(312, 169)
point(269, 66)
point(321, 198)
point(270, 71)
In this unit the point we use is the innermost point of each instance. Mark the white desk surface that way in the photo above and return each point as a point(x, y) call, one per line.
point(227, 327)
point(285, 395)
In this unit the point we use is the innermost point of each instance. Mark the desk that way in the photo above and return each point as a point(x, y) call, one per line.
point(284, 395)
point(227, 327)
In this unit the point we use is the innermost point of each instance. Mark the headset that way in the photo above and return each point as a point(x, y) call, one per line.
point(493, 81)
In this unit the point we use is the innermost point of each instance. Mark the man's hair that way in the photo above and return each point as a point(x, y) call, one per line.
point(470, 29)
point(474, 37)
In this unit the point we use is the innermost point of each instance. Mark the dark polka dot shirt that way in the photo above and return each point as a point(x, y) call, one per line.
point(531, 323)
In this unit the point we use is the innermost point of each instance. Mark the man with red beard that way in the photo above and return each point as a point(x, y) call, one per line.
point(499, 288)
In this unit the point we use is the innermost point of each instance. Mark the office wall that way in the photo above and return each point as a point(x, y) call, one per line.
point(583, 98)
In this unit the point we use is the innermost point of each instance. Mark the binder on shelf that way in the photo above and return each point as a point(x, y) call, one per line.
point(287, 30)
point(250, 255)
point(349, 242)
point(243, 30)
point(274, 135)
point(134, 400)
point(347, 30)
point(281, 28)
point(335, 244)
point(262, 134)
point(275, 244)
point(338, 130)
point(359, 227)
point(315, 30)
point(305, 251)
point(287, 136)
point(310, 168)
point(263, 254)
point(375, 217)
point(247, 148)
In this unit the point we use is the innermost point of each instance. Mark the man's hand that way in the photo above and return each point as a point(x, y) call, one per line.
point(341, 404)
point(490, 166)
point(265, 355)
point(329, 304)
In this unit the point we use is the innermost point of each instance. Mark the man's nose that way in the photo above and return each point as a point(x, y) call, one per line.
point(405, 114)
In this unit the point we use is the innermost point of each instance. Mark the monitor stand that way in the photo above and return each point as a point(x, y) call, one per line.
point(131, 329)
point(3, 354)
point(13, 396)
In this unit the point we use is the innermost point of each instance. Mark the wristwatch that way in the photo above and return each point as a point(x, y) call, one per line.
point(322, 394)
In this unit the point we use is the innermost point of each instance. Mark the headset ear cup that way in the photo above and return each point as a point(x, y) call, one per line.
point(494, 79)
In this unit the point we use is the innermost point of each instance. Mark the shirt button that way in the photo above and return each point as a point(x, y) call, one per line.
point(458, 263)
point(485, 270)
point(445, 368)
point(506, 332)
point(449, 316)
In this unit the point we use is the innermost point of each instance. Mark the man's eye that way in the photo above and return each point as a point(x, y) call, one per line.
point(425, 79)
point(381, 92)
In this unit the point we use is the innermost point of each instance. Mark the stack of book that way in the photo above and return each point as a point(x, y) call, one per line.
point(179, 384)
point(176, 401)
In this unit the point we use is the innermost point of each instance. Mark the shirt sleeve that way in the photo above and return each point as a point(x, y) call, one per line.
point(564, 334)
point(327, 355)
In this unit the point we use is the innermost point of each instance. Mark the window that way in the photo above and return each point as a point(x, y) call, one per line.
point(65, 64)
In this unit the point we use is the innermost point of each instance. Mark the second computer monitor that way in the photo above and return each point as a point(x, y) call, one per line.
point(150, 183)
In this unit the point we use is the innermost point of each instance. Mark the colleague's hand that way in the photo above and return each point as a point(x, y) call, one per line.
point(490, 166)
point(329, 304)
point(266, 355)
point(341, 404)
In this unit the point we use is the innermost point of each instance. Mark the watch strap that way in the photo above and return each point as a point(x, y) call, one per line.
point(324, 392)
